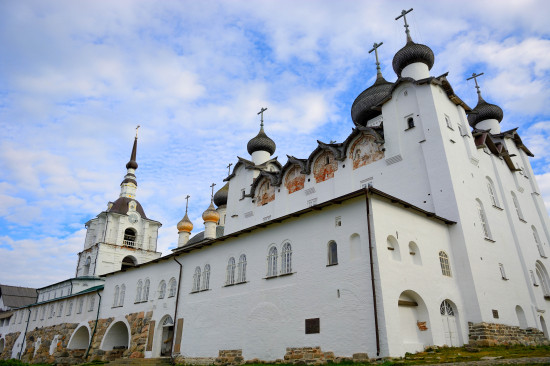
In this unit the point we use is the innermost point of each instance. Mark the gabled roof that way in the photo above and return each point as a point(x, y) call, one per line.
point(16, 297)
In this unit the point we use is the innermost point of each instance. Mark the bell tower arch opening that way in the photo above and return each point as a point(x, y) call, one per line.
point(128, 262)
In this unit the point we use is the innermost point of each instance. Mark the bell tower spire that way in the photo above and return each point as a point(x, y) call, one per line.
point(128, 186)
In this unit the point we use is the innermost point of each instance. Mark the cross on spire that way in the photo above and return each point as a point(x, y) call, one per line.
point(229, 168)
point(475, 76)
point(261, 113)
point(186, 203)
point(137, 128)
point(404, 15)
point(212, 186)
point(375, 49)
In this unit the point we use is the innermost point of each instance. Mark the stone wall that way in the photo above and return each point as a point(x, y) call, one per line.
point(490, 334)
point(39, 351)
point(139, 325)
point(8, 346)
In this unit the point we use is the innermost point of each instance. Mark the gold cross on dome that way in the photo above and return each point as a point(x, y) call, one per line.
point(187, 202)
point(137, 128)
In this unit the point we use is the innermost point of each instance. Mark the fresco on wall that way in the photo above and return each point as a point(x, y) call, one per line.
point(294, 180)
point(365, 151)
point(324, 167)
point(266, 193)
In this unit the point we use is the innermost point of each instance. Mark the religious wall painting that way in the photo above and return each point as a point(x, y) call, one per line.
point(294, 180)
point(266, 193)
point(324, 167)
point(365, 151)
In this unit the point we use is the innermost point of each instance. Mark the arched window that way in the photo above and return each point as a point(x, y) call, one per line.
point(286, 258)
point(129, 238)
point(69, 309)
point(115, 300)
point(492, 192)
point(446, 309)
point(138, 292)
point(332, 253)
point(162, 289)
point(51, 312)
point(538, 242)
point(172, 289)
point(122, 293)
point(206, 277)
point(444, 262)
point(80, 305)
point(242, 269)
point(517, 207)
point(230, 276)
point(86, 271)
point(272, 262)
point(543, 279)
point(145, 296)
point(483, 220)
point(197, 279)
point(91, 303)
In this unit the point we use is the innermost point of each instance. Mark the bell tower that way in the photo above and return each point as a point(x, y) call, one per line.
point(122, 236)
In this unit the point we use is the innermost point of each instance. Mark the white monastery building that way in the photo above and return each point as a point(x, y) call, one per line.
point(425, 226)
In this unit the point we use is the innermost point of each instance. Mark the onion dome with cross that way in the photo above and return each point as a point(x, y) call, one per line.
point(220, 198)
point(362, 108)
point(484, 111)
point(412, 52)
point(211, 215)
point(185, 225)
point(261, 142)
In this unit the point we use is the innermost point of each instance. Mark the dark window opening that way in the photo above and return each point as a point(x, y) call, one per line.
point(410, 122)
point(313, 326)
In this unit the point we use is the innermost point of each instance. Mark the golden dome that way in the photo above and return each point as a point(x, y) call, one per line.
point(211, 215)
point(185, 224)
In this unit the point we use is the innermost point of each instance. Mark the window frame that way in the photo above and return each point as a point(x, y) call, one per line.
point(445, 264)
point(332, 253)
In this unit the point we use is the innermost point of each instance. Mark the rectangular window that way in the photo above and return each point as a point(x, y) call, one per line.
point(502, 271)
point(338, 221)
point(313, 326)
point(495, 314)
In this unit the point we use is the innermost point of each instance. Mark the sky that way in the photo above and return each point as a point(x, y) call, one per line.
point(77, 77)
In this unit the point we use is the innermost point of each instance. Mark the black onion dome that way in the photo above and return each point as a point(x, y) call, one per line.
point(361, 109)
point(484, 111)
point(220, 198)
point(261, 143)
point(411, 53)
point(132, 164)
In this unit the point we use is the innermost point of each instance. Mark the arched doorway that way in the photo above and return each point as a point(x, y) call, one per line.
point(167, 336)
point(128, 262)
point(543, 326)
point(414, 323)
point(80, 339)
point(116, 337)
point(522, 320)
point(449, 317)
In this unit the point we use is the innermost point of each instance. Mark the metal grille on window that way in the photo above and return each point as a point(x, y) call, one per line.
point(446, 309)
point(206, 277)
point(230, 275)
point(173, 284)
point(197, 279)
point(286, 257)
point(272, 262)
point(162, 289)
point(444, 262)
point(242, 269)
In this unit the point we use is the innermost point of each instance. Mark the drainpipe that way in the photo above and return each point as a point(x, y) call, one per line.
point(372, 276)
point(95, 327)
point(176, 309)
point(25, 335)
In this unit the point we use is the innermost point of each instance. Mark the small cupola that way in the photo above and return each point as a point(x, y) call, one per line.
point(220, 198)
point(485, 116)
point(185, 226)
point(415, 60)
point(261, 147)
point(362, 108)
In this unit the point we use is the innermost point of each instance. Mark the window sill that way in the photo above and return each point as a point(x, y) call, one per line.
point(450, 128)
point(505, 279)
point(235, 284)
point(522, 220)
point(490, 240)
point(409, 128)
point(203, 290)
point(280, 275)
point(332, 264)
point(498, 208)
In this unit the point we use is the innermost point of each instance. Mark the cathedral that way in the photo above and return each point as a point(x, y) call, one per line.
point(424, 227)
